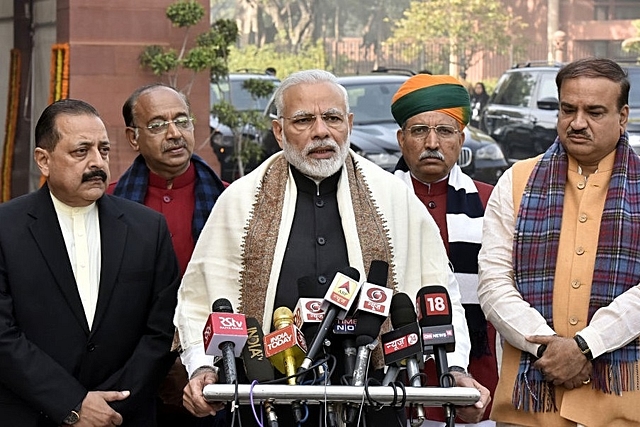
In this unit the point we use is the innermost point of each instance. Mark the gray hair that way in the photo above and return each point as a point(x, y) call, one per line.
point(309, 77)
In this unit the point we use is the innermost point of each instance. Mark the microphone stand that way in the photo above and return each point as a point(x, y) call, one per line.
point(447, 380)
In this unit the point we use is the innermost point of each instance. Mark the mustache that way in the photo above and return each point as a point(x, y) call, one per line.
point(173, 145)
point(99, 173)
point(322, 143)
point(579, 133)
point(431, 154)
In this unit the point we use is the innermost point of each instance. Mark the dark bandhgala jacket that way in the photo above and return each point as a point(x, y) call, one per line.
point(49, 358)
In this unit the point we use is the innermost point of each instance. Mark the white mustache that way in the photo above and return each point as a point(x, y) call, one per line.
point(431, 154)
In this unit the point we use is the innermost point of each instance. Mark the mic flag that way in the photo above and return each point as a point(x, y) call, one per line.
point(285, 347)
point(224, 335)
point(403, 342)
point(256, 364)
point(435, 318)
point(337, 301)
point(342, 292)
point(224, 326)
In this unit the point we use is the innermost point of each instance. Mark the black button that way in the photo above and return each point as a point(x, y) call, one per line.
point(91, 346)
point(431, 205)
point(321, 240)
point(319, 203)
point(322, 280)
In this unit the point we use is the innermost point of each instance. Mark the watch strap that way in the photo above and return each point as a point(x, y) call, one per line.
point(583, 346)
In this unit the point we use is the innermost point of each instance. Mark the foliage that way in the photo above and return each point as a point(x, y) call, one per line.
point(185, 13)
point(158, 60)
point(633, 44)
point(246, 148)
point(256, 59)
point(471, 27)
point(209, 53)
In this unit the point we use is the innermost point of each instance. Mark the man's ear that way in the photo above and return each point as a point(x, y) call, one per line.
point(41, 157)
point(400, 138)
point(132, 137)
point(276, 127)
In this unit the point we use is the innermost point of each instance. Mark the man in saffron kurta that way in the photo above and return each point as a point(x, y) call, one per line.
point(454, 200)
point(559, 267)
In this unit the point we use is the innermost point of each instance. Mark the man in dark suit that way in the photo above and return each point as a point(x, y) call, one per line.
point(88, 288)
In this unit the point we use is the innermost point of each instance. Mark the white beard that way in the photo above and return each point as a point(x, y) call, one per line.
point(315, 168)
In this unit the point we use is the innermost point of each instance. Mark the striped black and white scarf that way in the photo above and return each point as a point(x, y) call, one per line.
point(464, 226)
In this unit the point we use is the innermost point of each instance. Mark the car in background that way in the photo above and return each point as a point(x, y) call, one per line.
point(522, 111)
point(374, 129)
point(231, 89)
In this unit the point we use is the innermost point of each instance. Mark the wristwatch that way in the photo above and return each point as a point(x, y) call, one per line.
point(583, 346)
point(73, 417)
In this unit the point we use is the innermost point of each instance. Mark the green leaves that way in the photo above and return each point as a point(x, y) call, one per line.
point(185, 13)
point(157, 60)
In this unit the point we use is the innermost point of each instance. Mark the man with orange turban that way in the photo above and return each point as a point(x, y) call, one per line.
point(432, 111)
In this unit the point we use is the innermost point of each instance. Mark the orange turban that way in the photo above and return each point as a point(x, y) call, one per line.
point(426, 92)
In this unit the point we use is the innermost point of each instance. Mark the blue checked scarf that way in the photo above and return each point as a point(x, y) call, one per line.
point(616, 268)
point(133, 184)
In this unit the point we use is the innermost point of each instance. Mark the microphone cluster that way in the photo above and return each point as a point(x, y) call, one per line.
point(352, 309)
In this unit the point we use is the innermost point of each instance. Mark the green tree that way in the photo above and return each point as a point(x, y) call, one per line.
point(632, 44)
point(471, 28)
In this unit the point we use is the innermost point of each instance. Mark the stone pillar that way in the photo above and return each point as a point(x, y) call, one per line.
point(559, 46)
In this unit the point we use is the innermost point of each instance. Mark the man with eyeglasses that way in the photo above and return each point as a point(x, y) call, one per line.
point(169, 178)
point(284, 230)
point(432, 111)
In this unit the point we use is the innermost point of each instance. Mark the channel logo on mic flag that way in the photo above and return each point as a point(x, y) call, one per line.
point(308, 310)
point(223, 327)
point(400, 343)
point(375, 299)
point(342, 291)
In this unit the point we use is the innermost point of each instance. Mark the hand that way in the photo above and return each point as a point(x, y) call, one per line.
point(193, 399)
point(562, 362)
point(472, 413)
point(583, 378)
point(96, 412)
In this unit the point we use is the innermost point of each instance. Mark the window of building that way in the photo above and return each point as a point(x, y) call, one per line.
point(606, 10)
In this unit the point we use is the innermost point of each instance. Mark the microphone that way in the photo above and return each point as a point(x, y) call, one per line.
point(370, 321)
point(337, 301)
point(308, 314)
point(256, 364)
point(435, 318)
point(285, 347)
point(373, 304)
point(224, 334)
point(403, 344)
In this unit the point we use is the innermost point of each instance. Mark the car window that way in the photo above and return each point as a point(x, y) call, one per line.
point(237, 95)
point(371, 102)
point(548, 88)
point(515, 89)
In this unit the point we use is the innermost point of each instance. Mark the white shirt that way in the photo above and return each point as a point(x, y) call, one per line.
point(81, 231)
point(610, 328)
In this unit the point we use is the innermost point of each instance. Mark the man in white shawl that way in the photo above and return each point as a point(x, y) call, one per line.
point(306, 213)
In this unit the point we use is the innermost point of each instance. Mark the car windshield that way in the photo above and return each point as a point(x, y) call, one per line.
point(370, 103)
point(238, 96)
